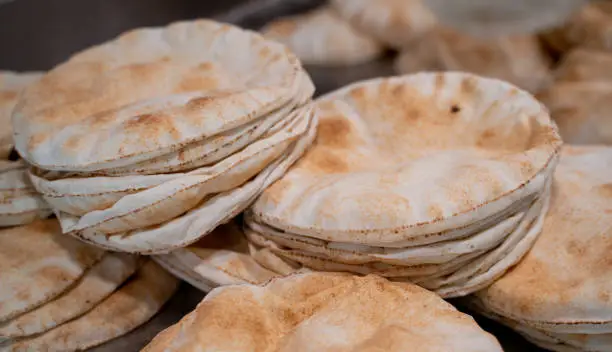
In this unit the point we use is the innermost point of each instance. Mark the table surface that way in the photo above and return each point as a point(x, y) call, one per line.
point(42, 33)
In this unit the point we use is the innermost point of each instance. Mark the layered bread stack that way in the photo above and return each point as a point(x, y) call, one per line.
point(591, 27)
point(324, 312)
point(440, 179)
point(19, 201)
point(558, 296)
point(348, 32)
point(148, 142)
point(518, 59)
point(580, 97)
point(60, 294)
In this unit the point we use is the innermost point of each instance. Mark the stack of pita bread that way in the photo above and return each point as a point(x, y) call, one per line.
point(580, 98)
point(347, 32)
point(518, 59)
point(60, 294)
point(441, 179)
point(324, 312)
point(19, 201)
point(591, 27)
point(148, 142)
point(559, 295)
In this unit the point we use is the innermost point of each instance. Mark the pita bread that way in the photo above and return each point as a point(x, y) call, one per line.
point(220, 146)
point(393, 22)
point(19, 201)
point(38, 263)
point(324, 312)
point(550, 341)
point(428, 156)
point(163, 197)
point(590, 27)
point(124, 310)
point(321, 37)
point(97, 283)
point(517, 59)
point(199, 221)
point(11, 84)
point(149, 92)
point(585, 65)
point(437, 253)
point(562, 285)
point(220, 258)
point(581, 110)
point(495, 262)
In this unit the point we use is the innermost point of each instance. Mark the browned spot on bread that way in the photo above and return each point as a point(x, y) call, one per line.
point(36, 140)
point(435, 212)
point(469, 86)
point(151, 126)
point(324, 161)
point(283, 27)
point(7, 97)
point(605, 190)
point(487, 138)
point(74, 142)
point(206, 66)
point(575, 249)
point(264, 52)
point(335, 132)
point(455, 109)
point(277, 191)
point(201, 103)
point(603, 296)
point(196, 83)
point(358, 93)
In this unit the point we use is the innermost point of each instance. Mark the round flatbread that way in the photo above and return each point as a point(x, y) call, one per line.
point(324, 312)
point(517, 59)
point(97, 283)
point(426, 156)
point(19, 202)
point(11, 85)
point(198, 221)
point(590, 27)
point(585, 65)
point(393, 22)
point(38, 263)
point(126, 309)
point(581, 110)
point(563, 284)
point(322, 37)
point(149, 92)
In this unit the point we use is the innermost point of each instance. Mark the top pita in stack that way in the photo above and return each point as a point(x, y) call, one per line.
point(60, 294)
point(324, 312)
point(435, 178)
point(580, 97)
point(322, 37)
point(19, 202)
point(149, 141)
point(517, 59)
point(558, 296)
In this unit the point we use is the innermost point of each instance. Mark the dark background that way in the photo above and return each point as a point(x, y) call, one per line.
point(38, 34)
